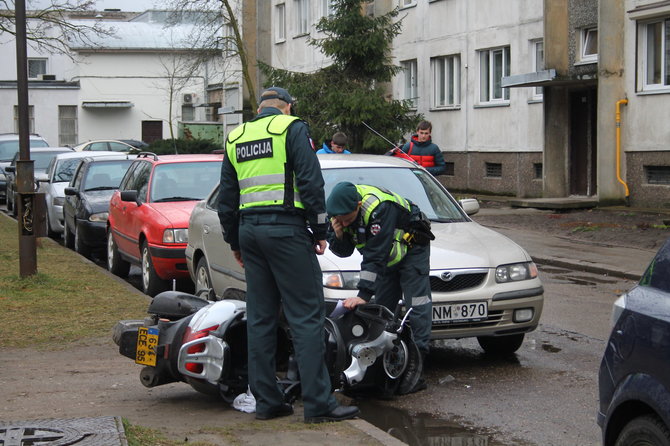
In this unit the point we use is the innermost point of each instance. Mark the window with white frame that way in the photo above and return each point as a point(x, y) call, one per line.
point(493, 66)
point(31, 119)
point(589, 45)
point(406, 3)
point(410, 89)
point(228, 39)
point(446, 81)
point(538, 63)
point(67, 125)
point(654, 54)
point(327, 8)
point(301, 17)
point(280, 22)
point(36, 66)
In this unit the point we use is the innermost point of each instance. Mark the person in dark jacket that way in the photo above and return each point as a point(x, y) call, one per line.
point(382, 225)
point(337, 144)
point(271, 189)
point(422, 149)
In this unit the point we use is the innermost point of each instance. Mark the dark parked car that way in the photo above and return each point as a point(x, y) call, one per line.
point(634, 378)
point(41, 157)
point(86, 204)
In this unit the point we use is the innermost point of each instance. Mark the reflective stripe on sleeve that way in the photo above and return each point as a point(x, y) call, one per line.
point(369, 276)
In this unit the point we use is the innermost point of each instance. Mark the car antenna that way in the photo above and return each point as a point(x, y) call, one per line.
point(379, 134)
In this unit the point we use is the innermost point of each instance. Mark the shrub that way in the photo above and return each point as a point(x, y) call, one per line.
point(181, 146)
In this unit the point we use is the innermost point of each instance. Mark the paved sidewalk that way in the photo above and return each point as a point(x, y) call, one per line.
point(629, 263)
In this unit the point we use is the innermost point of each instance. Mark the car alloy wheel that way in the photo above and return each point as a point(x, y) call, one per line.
point(202, 278)
point(151, 283)
point(79, 245)
point(115, 264)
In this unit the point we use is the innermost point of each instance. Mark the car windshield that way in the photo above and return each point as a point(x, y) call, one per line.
point(184, 181)
point(65, 169)
point(42, 159)
point(10, 148)
point(105, 175)
point(416, 185)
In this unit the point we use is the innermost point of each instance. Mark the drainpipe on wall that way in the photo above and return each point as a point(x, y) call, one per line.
point(618, 147)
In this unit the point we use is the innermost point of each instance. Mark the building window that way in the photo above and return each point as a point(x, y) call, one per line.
point(67, 125)
point(36, 67)
point(280, 23)
point(187, 112)
point(449, 169)
point(301, 17)
point(589, 45)
point(493, 170)
point(229, 44)
point(327, 8)
point(657, 175)
point(410, 90)
point(537, 169)
point(406, 3)
point(446, 81)
point(31, 119)
point(653, 54)
point(538, 64)
point(493, 66)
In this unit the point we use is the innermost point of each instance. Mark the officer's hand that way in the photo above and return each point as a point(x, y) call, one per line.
point(320, 247)
point(352, 302)
point(238, 257)
point(337, 227)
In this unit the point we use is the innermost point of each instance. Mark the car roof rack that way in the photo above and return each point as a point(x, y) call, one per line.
point(147, 155)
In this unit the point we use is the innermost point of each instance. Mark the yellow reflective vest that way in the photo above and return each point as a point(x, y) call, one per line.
point(373, 197)
point(257, 151)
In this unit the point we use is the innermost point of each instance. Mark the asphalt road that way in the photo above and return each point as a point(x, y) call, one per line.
point(546, 394)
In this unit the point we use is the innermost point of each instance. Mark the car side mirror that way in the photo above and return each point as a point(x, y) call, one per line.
point(469, 205)
point(129, 195)
point(71, 191)
point(10, 169)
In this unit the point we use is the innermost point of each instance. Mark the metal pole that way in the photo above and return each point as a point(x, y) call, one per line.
point(24, 168)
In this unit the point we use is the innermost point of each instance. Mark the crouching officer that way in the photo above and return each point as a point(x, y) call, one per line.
point(271, 188)
point(393, 236)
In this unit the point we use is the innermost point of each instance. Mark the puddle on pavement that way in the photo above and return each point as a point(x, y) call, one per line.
point(422, 429)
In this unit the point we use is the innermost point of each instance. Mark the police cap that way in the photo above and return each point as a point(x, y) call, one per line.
point(343, 199)
point(277, 93)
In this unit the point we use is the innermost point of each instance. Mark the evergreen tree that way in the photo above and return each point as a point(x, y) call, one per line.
point(352, 90)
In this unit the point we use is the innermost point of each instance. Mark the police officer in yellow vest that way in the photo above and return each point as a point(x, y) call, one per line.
point(393, 236)
point(271, 188)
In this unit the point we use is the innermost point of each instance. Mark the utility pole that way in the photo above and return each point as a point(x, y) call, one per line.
point(25, 173)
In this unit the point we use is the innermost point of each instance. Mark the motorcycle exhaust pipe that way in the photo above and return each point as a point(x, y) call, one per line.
point(150, 377)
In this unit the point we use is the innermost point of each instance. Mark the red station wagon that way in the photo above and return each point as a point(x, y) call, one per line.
point(149, 214)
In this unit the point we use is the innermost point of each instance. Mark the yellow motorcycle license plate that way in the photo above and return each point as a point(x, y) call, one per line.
point(147, 341)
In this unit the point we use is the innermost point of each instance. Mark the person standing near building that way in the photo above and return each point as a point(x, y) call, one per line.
point(338, 144)
point(393, 236)
point(271, 188)
point(424, 151)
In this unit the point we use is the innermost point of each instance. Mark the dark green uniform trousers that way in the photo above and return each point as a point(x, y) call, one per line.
point(410, 277)
point(281, 268)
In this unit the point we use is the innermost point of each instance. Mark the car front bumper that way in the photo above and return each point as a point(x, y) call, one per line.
point(169, 261)
point(93, 233)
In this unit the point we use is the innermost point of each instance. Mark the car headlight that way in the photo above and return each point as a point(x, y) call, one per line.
point(515, 272)
point(345, 280)
point(618, 309)
point(102, 216)
point(175, 236)
point(58, 201)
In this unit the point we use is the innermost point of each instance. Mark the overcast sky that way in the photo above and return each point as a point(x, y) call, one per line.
point(123, 5)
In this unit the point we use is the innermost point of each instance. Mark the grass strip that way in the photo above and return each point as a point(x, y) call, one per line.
point(69, 299)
